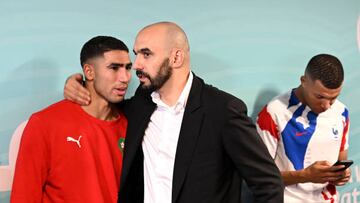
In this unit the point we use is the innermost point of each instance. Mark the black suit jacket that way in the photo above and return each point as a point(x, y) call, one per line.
point(218, 147)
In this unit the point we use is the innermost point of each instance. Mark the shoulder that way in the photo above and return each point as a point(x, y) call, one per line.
point(279, 103)
point(57, 109)
point(339, 105)
point(141, 95)
point(216, 97)
point(225, 97)
point(339, 108)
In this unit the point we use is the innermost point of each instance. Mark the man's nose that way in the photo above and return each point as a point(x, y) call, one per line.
point(137, 64)
point(326, 104)
point(124, 75)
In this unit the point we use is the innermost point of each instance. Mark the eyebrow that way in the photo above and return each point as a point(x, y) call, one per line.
point(329, 98)
point(119, 64)
point(143, 50)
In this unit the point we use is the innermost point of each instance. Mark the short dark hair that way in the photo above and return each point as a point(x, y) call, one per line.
point(98, 45)
point(327, 69)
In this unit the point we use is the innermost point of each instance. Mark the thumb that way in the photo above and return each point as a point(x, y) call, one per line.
point(78, 77)
point(324, 163)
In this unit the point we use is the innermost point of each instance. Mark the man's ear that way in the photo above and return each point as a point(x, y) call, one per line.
point(177, 58)
point(89, 73)
point(304, 80)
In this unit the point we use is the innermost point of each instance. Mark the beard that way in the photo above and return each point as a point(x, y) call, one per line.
point(160, 78)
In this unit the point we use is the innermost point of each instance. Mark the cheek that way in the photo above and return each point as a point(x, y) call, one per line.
point(103, 81)
point(316, 104)
point(315, 101)
point(312, 101)
point(98, 83)
point(128, 74)
point(154, 67)
point(107, 77)
point(150, 71)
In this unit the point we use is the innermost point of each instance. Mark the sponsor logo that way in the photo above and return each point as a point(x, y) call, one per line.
point(300, 133)
point(77, 141)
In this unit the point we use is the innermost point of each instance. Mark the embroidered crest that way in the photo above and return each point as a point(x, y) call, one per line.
point(335, 133)
point(121, 144)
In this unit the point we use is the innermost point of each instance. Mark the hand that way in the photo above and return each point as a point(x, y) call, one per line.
point(75, 92)
point(343, 179)
point(322, 172)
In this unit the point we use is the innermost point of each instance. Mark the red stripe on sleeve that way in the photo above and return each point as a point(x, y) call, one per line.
point(343, 140)
point(265, 122)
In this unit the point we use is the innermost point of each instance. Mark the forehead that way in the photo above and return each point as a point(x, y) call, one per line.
point(117, 56)
point(320, 89)
point(152, 39)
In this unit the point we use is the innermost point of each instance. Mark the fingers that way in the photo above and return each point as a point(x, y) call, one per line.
point(81, 97)
point(322, 172)
point(339, 168)
point(342, 177)
point(78, 77)
point(346, 174)
point(74, 91)
point(77, 97)
point(322, 163)
point(320, 167)
point(341, 181)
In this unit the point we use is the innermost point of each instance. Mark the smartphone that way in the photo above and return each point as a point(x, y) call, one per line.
point(346, 163)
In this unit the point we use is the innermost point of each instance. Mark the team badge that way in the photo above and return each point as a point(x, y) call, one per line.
point(335, 133)
point(121, 144)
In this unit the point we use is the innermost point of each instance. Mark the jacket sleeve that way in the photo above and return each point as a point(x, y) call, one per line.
point(32, 164)
point(250, 155)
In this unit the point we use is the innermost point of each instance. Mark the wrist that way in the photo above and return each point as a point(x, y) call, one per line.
point(303, 176)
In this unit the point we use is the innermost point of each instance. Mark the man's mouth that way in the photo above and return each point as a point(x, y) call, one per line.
point(141, 75)
point(120, 91)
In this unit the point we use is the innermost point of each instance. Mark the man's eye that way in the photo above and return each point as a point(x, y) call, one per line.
point(128, 66)
point(114, 67)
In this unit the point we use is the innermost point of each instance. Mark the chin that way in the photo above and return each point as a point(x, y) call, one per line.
point(117, 100)
point(146, 86)
point(319, 111)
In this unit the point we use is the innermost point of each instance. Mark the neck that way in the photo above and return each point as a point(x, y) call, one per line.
point(299, 92)
point(100, 108)
point(172, 89)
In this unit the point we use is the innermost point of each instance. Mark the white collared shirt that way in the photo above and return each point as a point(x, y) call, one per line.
point(159, 146)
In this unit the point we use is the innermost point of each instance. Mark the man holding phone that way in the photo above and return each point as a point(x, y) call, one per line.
point(306, 131)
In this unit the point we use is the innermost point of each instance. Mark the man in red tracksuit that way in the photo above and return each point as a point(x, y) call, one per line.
point(73, 153)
